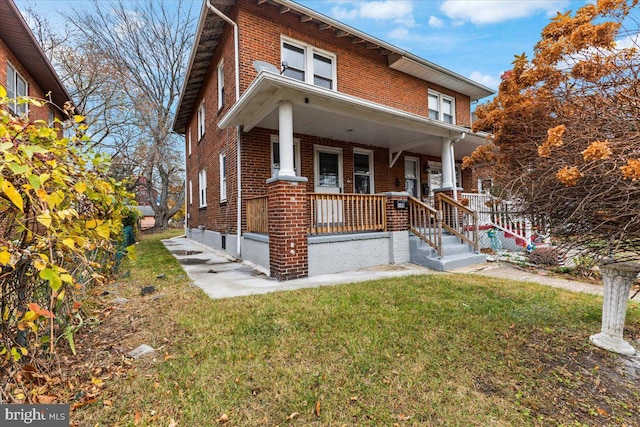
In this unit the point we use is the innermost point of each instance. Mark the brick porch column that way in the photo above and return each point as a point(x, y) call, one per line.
point(288, 250)
point(397, 219)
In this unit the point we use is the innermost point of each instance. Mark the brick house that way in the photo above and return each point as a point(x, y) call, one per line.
point(25, 69)
point(312, 147)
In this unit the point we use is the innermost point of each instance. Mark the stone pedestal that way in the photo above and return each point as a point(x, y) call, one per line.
point(618, 279)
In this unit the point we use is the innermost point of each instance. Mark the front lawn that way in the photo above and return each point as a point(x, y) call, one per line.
point(424, 350)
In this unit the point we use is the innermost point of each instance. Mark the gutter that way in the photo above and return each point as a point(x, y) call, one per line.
point(236, 43)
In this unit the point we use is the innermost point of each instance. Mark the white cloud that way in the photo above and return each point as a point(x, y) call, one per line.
point(494, 11)
point(435, 22)
point(399, 34)
point(629, 41)
point(489, 81)
point(398, 11)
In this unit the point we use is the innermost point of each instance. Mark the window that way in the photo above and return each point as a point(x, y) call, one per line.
point(223, 177)
point(220, 85)
point(363, 172)
point(202, 186)
point(190, 192)
point(275, 156)
point(485, 185)
point(201, 121)
point(308, 64)
point(17, 87)
point(189, 142)
point(51, 118)
point(441, 107)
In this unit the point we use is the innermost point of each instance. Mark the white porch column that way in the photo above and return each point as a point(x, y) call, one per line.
point(448, 164)
point(285, 118)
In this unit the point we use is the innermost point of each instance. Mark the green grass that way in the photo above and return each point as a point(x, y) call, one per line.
point(448, 349)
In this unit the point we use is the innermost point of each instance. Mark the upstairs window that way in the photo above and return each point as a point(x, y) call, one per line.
point(201, 121)
point(308, 64)
point(220, 85)
point(189, 142)
point(17, 87)
point(441, 107)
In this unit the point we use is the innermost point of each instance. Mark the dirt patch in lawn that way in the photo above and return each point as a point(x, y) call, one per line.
point(570, 381)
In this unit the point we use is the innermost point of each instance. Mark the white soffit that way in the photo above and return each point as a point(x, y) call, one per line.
point(421, 71)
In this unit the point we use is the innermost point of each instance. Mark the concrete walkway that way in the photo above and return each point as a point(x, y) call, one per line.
point(221, 276)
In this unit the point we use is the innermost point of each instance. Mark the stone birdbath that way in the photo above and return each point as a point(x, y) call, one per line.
point(618, 279)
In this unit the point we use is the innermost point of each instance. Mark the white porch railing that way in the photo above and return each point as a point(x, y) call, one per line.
point(501, 214)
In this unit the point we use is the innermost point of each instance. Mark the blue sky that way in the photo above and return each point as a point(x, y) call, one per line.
point(474, 38)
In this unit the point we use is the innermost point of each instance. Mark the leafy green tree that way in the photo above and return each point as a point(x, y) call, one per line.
point(60, 226)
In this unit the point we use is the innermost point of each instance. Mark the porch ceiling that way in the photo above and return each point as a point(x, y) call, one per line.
point(328, 114)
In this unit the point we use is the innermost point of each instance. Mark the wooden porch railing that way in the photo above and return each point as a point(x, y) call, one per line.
point(426, 223)
point(459, 220)
point(346, 213)
point(258, 215)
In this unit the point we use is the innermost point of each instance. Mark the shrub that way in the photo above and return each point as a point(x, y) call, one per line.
point(545, 256)
point(60, 217)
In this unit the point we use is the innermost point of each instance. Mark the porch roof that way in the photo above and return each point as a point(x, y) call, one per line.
point(329, 114)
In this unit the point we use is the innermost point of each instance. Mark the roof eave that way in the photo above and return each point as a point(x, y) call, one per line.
point(42, 72)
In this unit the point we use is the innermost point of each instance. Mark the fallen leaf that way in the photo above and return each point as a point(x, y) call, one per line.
point(107, 403)
point(137, 418)
point(402, 417)
point(292, 416)
point(317, 408)
point(602, 411)
point(173, 423)
point(46, 399)
point(223, 419)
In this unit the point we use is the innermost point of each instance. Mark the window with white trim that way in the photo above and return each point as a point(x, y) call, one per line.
point(221, 84)
point(201, 121)
point(363, 171)
point(189, 142)
point(223, 177)
point(16, 87)
point(308, 64)
point(190, 192)
point(275, 155)
point(441, 107)
point(202, 187)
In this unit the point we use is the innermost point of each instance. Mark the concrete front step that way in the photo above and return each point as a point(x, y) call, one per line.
point(455, 254)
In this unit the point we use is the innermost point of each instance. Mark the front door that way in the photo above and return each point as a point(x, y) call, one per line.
point(328, 180)
point(412, 176)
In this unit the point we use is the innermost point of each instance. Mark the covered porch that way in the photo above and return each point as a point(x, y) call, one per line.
point(300, 210)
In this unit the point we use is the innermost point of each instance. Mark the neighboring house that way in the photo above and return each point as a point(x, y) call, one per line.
point(148, 219)
point(306, 166)
point(25, 69)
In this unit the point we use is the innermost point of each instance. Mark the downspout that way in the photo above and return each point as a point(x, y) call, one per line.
point(453, 166)
point(236, 46)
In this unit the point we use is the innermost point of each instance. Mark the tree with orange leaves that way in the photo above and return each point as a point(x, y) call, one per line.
point(565, 129)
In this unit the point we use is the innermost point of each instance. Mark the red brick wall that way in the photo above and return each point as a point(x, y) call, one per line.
point(397, 219)
point(288, 250)
point(362, 72)
point(205, 154)
point(35, 113)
